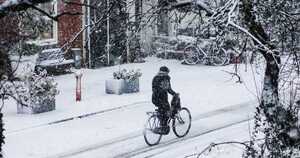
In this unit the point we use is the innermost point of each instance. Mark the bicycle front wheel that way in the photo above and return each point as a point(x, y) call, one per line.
point(151, 137)
point(190, 55)
point(219, 57)
point(182, 122)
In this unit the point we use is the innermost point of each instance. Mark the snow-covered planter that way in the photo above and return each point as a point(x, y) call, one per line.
point(113, 86)
point(131, 79)
point(125, 81)
point(131, 86)
point(38, 94)
point(44, 105)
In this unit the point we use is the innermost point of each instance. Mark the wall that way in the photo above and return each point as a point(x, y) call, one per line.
point(70, 25)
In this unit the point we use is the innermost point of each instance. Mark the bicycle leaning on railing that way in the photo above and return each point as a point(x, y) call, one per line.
point(180, 117)
point(215, 55)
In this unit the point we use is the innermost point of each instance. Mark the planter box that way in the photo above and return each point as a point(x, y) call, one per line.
point(45, 106)
point(114, 86)
point(131, 86)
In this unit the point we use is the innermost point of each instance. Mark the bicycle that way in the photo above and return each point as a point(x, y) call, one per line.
point(194, 54)
point(181, 124)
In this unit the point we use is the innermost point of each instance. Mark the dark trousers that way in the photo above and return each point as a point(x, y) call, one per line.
point(163, 114)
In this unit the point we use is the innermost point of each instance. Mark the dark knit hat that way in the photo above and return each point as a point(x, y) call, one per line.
point(164, 69)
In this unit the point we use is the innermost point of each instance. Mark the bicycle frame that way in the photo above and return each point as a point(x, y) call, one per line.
point(170, 118)
point(201, 54)
point(202, 51)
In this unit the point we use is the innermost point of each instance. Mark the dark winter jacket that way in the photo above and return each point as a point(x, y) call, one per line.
point(161, 86)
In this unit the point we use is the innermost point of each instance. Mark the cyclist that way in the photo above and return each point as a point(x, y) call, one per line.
point(161, 86)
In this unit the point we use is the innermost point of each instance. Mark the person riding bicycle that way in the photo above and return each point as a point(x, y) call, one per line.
point(161, 86)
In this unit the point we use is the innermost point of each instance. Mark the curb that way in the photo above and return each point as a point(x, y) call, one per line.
point(94, 113)
point(77, 117)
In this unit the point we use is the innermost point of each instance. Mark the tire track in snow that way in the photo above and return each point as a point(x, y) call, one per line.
point(97, 146)
point(203, 115)
point(145, 149)
point(165, 146)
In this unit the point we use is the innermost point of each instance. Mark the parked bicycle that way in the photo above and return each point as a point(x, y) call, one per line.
point(181, 123)
point(215, 54)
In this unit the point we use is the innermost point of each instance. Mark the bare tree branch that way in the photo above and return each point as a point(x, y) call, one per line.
point(18, 5)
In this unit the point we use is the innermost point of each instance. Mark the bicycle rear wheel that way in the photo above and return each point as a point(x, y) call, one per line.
point(190, 55)
point(182, 122)
point(219, 57)
point(152, 138)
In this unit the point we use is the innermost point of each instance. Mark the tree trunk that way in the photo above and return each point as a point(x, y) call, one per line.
point(269, 105)
point(270, 97)
point(1, 134)
point(5, 65)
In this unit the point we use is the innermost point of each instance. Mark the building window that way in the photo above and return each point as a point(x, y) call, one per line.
point(48, 35)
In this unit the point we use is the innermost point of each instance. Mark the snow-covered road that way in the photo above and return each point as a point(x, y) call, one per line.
point(117, 133)
point(115, 123)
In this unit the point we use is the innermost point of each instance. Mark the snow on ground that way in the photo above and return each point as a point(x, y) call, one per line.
point(119, 134)
point(133, 145)
point(202, 89)
point(193, 148)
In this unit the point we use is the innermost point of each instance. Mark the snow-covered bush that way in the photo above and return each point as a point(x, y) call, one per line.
point(40, 86)
point(36, 92)
point(14, 90)
point(128, 75)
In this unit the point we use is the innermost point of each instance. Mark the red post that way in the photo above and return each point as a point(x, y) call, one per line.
point(78, 86)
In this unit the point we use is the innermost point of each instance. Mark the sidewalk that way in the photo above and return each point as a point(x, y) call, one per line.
point(202, 89)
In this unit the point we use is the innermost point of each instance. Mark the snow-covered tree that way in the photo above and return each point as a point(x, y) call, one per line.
point(273, 27)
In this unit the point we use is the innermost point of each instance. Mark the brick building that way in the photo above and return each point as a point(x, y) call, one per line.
point(93, 41)
point(62, 31)
point(69, 25)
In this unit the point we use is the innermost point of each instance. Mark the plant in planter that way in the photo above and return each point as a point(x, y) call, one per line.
point(37, 94)
point(130, 78)
point(127, 75)
point(124, 81)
